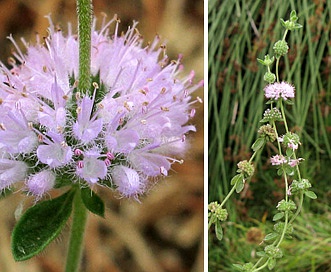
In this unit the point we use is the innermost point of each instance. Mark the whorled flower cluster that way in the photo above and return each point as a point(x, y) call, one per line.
point(129, 127)
point(278, 90)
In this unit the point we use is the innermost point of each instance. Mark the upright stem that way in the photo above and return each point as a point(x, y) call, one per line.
point(84, 13)
point(77, 234)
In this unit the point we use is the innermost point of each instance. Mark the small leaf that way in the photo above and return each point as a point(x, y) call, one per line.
point(261, 61)
point(278, 216)
point(310, 194)
point(218, 230)
point(270, 236)
point(271, 263)
point(240, 186)
point(258, 144)
point(261, 254)
point(39, 225)
point(93, 202)
point(236, 179)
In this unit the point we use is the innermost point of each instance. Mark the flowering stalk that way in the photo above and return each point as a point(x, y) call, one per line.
point(286, 161)
point(84, 13)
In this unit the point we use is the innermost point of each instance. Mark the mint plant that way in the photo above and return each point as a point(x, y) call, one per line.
point(286, 162)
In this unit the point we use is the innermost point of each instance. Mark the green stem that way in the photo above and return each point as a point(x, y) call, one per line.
point(228, 196)
point(77, 234)
point(84, 13)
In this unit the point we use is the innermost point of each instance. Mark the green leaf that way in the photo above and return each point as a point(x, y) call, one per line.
point(239, 186)
point(271, 263)
point(258, 144)
point(261, 254)
point(218, 230)
point(39, 225)
point(62, 181)
point(278, 216)
point(237, 178)
point(261, 61)
point(270, 236)
point(93, 202)
point(310, 194)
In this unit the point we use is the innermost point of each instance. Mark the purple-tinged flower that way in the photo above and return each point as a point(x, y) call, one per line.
point(40, 183)
point(11, 172)
point(279, 90)
point(128, 181)
point(294, 162)
point(278, 160)
point(129, 126)
point(91, 168)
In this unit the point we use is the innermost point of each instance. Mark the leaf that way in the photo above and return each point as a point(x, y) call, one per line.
point(261, 254)
point(239, 186)
point(310, 194)
point(258, 144)
point(237, 178)
point(93, 202)
point(261, 61)
point(278, 216)
point(271, 263)
point(218, 230)
point(270, 236)
point(39, 225)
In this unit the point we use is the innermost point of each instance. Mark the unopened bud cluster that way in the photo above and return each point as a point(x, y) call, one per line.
point(216, 210)
point(267, 132)
point(246, 168)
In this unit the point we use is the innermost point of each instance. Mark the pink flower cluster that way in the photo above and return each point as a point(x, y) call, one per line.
point(279, 90)
point(280, 159)
point(130, 126)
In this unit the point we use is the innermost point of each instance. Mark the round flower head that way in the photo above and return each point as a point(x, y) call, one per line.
point(128, 127)
point(279, 90)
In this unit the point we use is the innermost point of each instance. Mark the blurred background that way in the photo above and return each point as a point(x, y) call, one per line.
point(165, 231)
point(239, 33)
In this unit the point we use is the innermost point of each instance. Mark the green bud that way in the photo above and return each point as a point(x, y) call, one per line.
point(246, 168)
point(273, 252)
point(267, 132)
point(215, 208)
point(286, 206)
point(267, 60)
point(269, 77)
point(299, 186)
point(279, 227)
point(280, 48)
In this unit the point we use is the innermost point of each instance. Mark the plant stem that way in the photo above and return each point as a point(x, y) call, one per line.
point(84, 13)
point(77, 234)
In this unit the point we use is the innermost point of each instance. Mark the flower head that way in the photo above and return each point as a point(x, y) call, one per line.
point(128, 127)
point(277, 90)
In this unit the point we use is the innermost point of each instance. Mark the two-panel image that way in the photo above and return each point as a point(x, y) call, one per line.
point(165, 136)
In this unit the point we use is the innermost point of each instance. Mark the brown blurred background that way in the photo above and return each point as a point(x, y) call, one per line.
point(165, 231)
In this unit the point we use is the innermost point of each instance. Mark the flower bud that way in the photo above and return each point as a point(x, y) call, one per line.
point(269, 77)
point(273, 252)
point(246, 168)
point(280, 48)
point(268, 132)
point(216, 209)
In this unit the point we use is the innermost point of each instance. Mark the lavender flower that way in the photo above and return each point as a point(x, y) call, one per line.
point(130, 126)
point(279, 90)
point(278, 160)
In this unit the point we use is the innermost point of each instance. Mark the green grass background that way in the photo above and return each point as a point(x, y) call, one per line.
point(239, 33)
